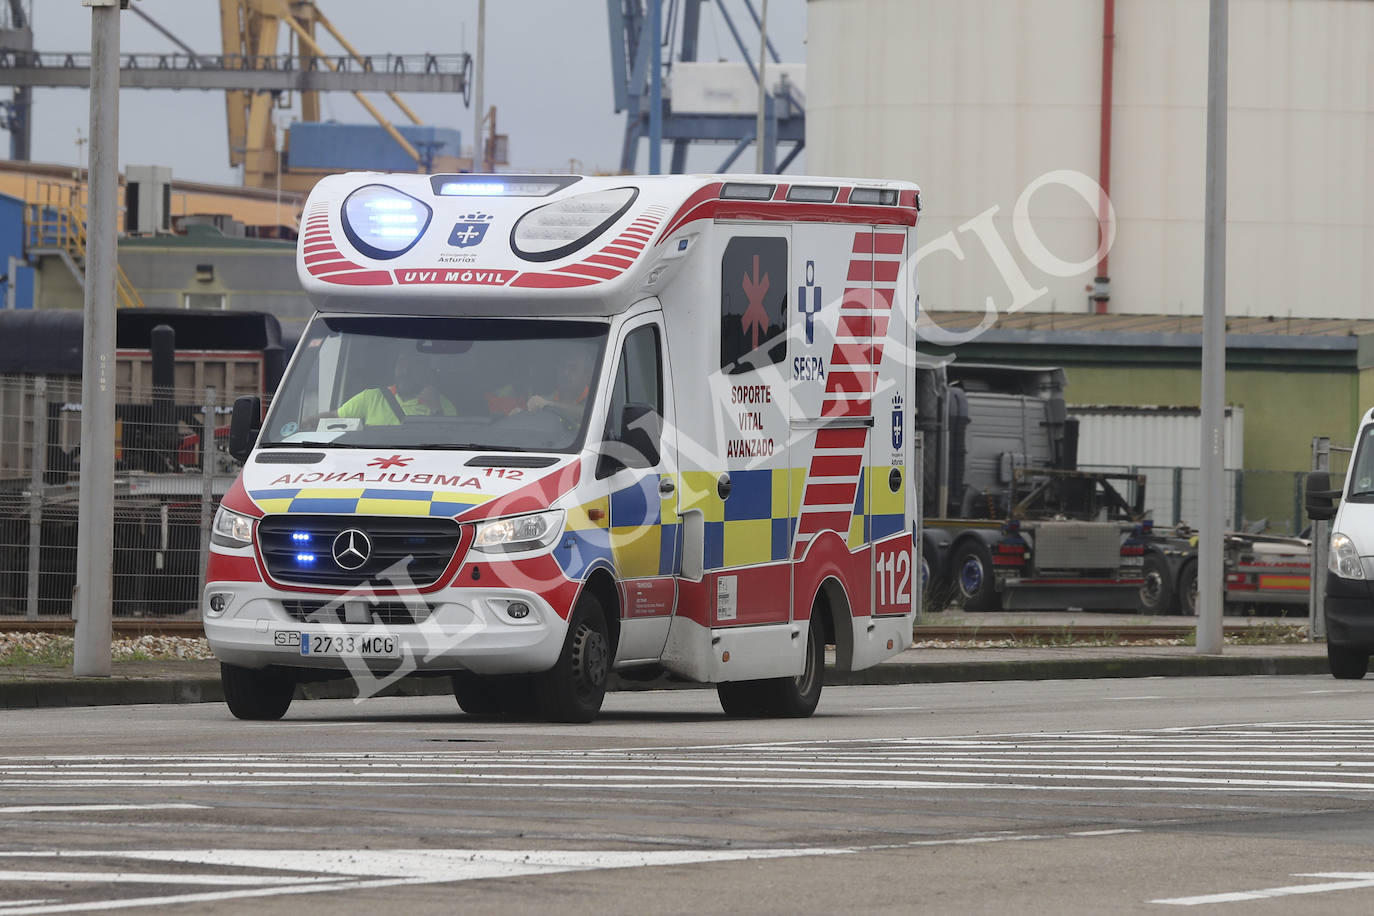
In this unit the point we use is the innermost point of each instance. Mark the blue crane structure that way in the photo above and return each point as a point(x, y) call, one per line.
point(639, 32)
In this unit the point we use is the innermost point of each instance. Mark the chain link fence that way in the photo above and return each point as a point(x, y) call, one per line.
point(166, 492)
point(1258, 501)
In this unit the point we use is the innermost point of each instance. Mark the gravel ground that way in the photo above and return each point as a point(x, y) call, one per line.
point(43, 647)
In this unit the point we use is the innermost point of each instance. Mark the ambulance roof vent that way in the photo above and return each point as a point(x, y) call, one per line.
point(738, 190)
point(812, 194)
point(882, 197)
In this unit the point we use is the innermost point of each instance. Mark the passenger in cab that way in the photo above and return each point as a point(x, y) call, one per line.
point(414, 394)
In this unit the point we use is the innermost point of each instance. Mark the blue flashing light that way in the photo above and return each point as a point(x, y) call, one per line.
point(383, 222)
point(300, 537)
point(305, 559)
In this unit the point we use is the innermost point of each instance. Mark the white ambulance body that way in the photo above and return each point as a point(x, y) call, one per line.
point(720, 492)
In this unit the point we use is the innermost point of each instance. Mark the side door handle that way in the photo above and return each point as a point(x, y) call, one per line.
point(666, 486)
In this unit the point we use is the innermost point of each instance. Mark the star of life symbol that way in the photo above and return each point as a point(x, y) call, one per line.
point(812, 309)
point(395, 461)
point(471, 230)
point(351, 549)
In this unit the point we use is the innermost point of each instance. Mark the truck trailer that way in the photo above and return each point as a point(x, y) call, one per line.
point(1009, 520)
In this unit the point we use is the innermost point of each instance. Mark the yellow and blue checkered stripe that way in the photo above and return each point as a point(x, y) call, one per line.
point(365, 501)
point(878, 512)
point(638, 533)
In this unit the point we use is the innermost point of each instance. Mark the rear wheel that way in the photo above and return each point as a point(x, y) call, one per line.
point(1346, 664)
point(257, 693)
point(781, 697)
point(975, 586)
point(1187, 589)
point(574, 688)
point(1157, 595)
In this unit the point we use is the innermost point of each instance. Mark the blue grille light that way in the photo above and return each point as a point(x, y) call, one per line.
point(305, 559)
point(300, 537)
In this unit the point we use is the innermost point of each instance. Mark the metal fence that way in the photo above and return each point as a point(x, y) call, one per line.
point(1261, 501)
point(165, 494)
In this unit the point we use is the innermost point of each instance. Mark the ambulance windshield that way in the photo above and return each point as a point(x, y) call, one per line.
point(460, 383)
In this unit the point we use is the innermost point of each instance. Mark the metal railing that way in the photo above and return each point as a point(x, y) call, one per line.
point(165, 494)
point(56, 219)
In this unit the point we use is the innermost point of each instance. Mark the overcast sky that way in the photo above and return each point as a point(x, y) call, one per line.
point(547, 73)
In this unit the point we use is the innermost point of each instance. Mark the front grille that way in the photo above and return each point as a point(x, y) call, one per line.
point(405, 552)
point(390, 613)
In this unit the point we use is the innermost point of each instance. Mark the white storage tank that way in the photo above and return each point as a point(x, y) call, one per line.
point(979, 99)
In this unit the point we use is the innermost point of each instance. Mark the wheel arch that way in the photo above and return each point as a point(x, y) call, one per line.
point(602, 584)
point(832, 604)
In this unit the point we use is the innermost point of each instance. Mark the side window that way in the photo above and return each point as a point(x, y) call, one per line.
point(634, 425)
point(753, 303)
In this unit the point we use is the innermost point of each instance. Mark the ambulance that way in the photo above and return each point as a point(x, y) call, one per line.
point(543, 429)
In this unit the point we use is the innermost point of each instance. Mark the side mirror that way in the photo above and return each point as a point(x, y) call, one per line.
point(244, 425)
point(1319, 499)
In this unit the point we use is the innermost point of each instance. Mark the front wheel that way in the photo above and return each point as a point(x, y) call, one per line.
point(1346, 664)
point(781, 697)
point(257, 693)
point(575, 687)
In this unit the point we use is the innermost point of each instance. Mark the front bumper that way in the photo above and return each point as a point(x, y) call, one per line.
point(466, 629)
point(1349, 612)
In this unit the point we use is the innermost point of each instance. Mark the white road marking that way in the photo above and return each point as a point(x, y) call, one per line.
point(330, 870)
point(1354, 881)
point(43, 809)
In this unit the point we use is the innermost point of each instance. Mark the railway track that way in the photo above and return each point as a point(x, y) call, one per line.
point(1125, 632)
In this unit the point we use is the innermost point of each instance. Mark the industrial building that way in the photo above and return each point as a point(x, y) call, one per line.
point(1011, 113)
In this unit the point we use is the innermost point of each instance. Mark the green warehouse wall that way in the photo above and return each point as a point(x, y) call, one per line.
point(1283, 409)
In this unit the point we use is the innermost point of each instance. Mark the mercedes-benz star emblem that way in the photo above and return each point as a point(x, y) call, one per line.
point(351, 549)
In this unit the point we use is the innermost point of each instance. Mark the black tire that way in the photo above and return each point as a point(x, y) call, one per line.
point(975, 584)
point(781, 697)
point(1157, 595)
point(934, 586)
point(257, 693)
point(477, 695)
point(574, 688)
point(1187, 589)
point(1346, 664)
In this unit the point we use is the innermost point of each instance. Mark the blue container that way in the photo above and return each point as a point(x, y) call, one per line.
point(331, 146)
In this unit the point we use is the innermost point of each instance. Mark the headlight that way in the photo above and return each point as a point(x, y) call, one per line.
point(382, 222)
point(523, 532)
point(231, 529)
point(1344, 558)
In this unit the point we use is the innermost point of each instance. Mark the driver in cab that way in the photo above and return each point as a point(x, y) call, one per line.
point(413, 394)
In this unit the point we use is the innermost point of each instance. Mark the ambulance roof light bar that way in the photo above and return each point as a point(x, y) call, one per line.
point(882, 197)
point(500, 185)
point(812, 194)
point(738, 190)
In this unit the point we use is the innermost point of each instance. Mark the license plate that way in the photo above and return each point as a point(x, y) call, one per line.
point(336, 646)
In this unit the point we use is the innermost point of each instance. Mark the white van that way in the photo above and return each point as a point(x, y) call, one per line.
point(1348, 599)
point(546, 427)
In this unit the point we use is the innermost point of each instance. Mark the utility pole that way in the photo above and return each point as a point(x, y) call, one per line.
point(479, 148)
point(763, 90)
point(1213, 444)
point(91, 605)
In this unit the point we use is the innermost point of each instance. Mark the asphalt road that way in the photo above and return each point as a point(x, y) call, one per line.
point(1243, 794)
